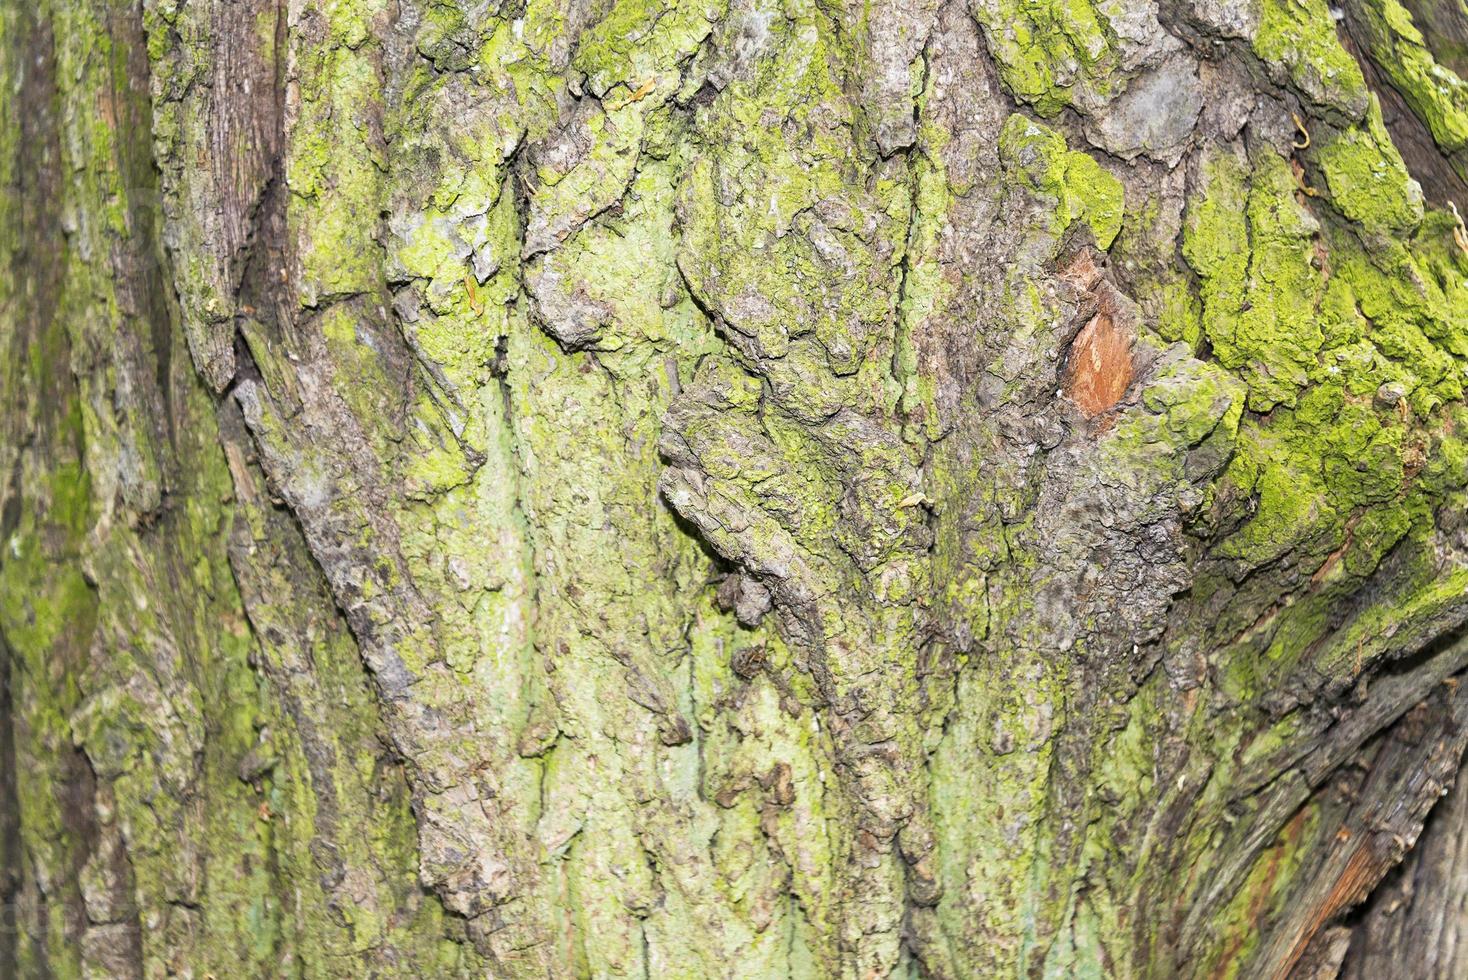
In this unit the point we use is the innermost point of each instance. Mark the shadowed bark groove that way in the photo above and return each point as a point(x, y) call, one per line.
point(718, 488)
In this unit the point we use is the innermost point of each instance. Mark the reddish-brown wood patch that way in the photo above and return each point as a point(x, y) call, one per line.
point(1100, 366)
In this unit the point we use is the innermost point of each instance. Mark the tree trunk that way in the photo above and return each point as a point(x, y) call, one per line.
point(724, 488)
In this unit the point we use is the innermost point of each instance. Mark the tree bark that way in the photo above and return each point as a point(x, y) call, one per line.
point(724, 488)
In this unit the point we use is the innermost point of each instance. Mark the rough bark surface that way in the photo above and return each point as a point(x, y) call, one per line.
point(733, 488)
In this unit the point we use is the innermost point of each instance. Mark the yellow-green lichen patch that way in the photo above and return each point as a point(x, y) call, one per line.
point(1300, 36)
point(988, 806)
point(1349, 456)
point(1051, 53)
point(1194, 399)
point(1083, 190)
point(335, 164)
point(1252, 246)
point(1367, 179)
point(1179, 314)
point(453, 230)
point(926, 287)
point(48, 614)
point(640, 41)
point(1437, 95)
point(615, 282)
point(805, 248)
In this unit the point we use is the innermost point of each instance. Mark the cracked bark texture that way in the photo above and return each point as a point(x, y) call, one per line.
point(733, 488)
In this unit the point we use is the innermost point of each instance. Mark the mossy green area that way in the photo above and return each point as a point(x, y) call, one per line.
point(1341, 307)
point(1348, 351)
point(1367, 181)
point(1435, 92)
point(1083, 190)
point(554, 490)
point(1298, 38)
point(168, 795)
point(1051, 53)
